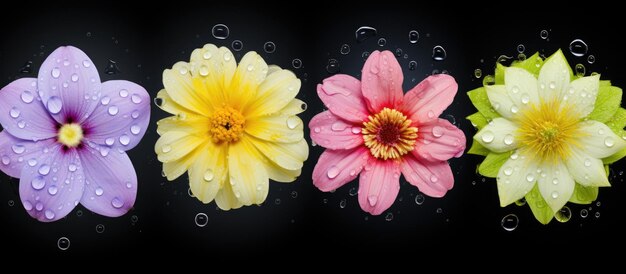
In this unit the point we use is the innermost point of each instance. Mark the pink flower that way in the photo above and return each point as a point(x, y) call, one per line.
point(371, 128)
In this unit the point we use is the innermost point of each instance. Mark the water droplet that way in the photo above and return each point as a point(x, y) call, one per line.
point(597, 215)
point(345, 49)
point(111, 68)
point(27, 96)
point(317, 130)
point(530, 177)
point(508, 139)
point(99, 191)
point(277, 201)
point(430, 114)
point(129, 185)
point(609, 142)
point(135, 129)
point(508, 171)
point(509, 222)
point(412, 65)
point(563, 215)
point(578, 47)
point(437, 131)
point(208, 175)
point(587, 162)
point(6, 160)
point(236, 45)
point(117, 203)
point(63, 243)
point(109, 141)
point(38, 183)
point(44, 169)
point(413, 36)
point(18, 149)
point(356, 130)
point(338, 126)
point(584, 213)
point(439, 53)
point(52, 190)
point(580, 70)
point(591, 59)
point(433, 179)
point(14, 112)
point(353, 191)
point(333, 66)
point(514, 109)
point(419, 199)
point(123, 93)
point(521, 48)
point(105, 100)
point(220, 31)
point(100, 228)
point(56, 72)
point(478, 73)
point(598, 203)
point(389, 217)
point(293, 122)
point(28, 206)
point(555, 195)
point(124, 140)
point(296, 63)
point(166, 148)
point(543, 34)
point(54, 104)
point(342, 203)
point(381, 42)
point(113, 110)
point(487, 136)
point(333, 171)
point(269, 47)
point(364, 32)
point(201, 219)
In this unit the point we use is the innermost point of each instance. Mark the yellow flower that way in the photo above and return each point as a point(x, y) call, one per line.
point(234, 127)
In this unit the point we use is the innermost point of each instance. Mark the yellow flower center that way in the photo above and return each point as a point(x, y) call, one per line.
point(226, 125)
point(549, 130)
point(389, 134)
point(70, 135)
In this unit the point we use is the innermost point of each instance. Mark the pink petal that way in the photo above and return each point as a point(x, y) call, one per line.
point(426, 101)
point(122, 116)
point(335, 168)
point(21, 112)
point(69, 85)
point(15, 153)
point(432, 178)
point(381, 81)
point(439, 141)
point(379, 186)
point(331, 132)
point(112, 182)
point(52, 187)
point(342, 96)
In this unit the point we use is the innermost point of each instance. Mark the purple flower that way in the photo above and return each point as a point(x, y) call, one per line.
point(65, 136)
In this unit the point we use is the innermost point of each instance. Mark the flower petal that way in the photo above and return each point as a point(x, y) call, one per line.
point(426, 101)
point(69, 85)
point(274, 171)
point(15, 153)
point(381, 81)
point(225, 198)
point(208, 172)
point(501, 102)
point(498, 136)
point(249, 75)
point(174, 145)
point(335, 168)
point(331, 132)
point(379, 185)
point(167, 104)
point(439, 141)
point(585, 169)
point(22, 113)
point(554, 77)
point(517, 177)
point(286, 155)
point(521, 86)
point(248, 177)
point(294, 107)
point(52, 187)
point(342, 95)
point(556, 185)
point(123, 119)
point(180, 87)
point(173, 169)
point(190, 124)
point(431, 178)
point(111, 182)
point(599, 141)
point(212, 71)
point(581, 95)
point(273, 94)
point(276, 128)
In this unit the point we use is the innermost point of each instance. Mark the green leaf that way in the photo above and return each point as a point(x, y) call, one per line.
point(478, 120)
point(584, 195)
point(532, 64)
point(492, 164)
point(617, 122)
point(499, 74)
point(608, 101)
point(538, 206)
point(615, 157)
point(478, 149)
point(481, 102)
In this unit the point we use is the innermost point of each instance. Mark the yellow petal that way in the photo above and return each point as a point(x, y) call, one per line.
point(208, 172)
point(293, 108)
point(250, 73)
point(278, 89)
point(212, 71)
point(276, 128)
point(273, 68)
point(174, 169)
point(178, 84)
point(274, 171)
point(248, 176)
point(174, 145)
point(286, 155)
point(166, 103)
point(225, 198)
point(191, 124)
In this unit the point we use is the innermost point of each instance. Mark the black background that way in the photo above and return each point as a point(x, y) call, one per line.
point(162, 221)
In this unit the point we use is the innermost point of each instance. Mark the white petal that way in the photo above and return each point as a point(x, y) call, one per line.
point(521, 87)
point(599, 141)
point(516, 177)
point(581, 94)
point(586, 170)
point(501, 102)
point(556, 185)
point(554, 77)
point(498, 136)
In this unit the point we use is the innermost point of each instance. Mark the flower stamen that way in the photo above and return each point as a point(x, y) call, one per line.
point(389, 134)
point(226, 125)
point(70, 135)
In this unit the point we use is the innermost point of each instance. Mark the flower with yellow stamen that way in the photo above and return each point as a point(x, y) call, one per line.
point(234, 126)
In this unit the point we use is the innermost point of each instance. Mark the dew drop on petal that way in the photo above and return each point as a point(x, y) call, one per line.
point(333, 171)
point(113, 110)
point(135, 129)
point(208, 175)
point(117, 203)
point(105, 100)
point(54, 104)
point(123, 93)
point(56, 72)
point(563, 215)
point(508, 139)
point(609, 142)
point(38, 183)
point(166, 148)
point(27, 96)
point(99, 191)
point(293, 122)
point(52, 190)
point(487, 136)
point(124, 139)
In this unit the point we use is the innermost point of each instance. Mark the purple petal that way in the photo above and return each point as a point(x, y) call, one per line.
point(15, 153)
point(21, 112)
point(52, 187)
point(122, 116)
point(69, 85)
point(111, 186)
